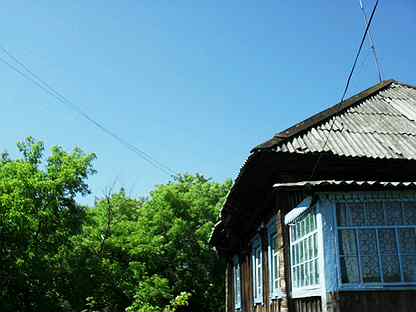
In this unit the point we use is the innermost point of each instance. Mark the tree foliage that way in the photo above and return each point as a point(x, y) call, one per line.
point(38, 217)
point(123, 254)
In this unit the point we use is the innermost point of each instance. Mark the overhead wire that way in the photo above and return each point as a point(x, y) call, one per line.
point(372, 45)
point(361, 66)
point(315, 167)
point(29, 75)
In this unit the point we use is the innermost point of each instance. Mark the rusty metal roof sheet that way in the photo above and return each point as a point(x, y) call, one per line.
point(379, 124)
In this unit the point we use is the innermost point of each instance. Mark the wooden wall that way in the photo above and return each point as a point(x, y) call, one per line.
point(248, 205)
point(378, 300)
point(309, 304)
point(357, 301)
point(281, 204)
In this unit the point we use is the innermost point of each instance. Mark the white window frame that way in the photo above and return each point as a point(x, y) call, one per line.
point(315, 288)
point(373, 285)
point(237, 283)
point(273, 252)
point(257, 266)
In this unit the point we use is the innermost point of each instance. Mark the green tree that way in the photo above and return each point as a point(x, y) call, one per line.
point(172, 239)
point(123, 254)
point(38, 215)
point(151, 254)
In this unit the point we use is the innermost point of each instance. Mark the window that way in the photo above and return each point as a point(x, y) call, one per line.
point(237, 283)
point(273, 260)
point(377, 243)
point(257, 263)
point(304, 252)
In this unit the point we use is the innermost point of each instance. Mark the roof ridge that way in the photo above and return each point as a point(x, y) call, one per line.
point(324, 115)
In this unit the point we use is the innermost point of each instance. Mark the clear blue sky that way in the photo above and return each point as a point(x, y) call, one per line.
point(196, 84)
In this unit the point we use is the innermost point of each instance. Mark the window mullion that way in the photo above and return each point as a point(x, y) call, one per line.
point(357, 243)
point(396, 233)
point(379, 258)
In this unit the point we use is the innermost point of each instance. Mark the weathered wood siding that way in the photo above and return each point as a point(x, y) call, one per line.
point(282, 203)
point(378, 300)
point(357, 301)
point(309, 304)
point(229, 289)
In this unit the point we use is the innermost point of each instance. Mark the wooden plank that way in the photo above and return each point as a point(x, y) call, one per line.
point(380, 301)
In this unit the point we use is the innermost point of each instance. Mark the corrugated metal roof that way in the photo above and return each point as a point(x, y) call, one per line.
point(344, 183)
point(382, 125)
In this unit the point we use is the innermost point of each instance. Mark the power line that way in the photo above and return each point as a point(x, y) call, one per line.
point(372, 45)
point(362, 66)
point(29, 75)
point(346, 88)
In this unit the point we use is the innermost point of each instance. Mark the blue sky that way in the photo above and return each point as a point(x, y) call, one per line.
point(196, 84)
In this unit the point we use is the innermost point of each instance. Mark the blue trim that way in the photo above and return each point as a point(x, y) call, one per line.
point(255, 245)
point(237, 266)
point(272, 231)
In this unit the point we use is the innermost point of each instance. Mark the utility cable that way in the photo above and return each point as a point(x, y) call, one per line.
point(345, 89)
point(372, 45)
point(29, 75)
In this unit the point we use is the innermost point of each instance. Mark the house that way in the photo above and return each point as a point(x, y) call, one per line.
point(322, 217)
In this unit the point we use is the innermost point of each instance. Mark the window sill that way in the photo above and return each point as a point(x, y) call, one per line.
point(410, 286)
point(308, 292)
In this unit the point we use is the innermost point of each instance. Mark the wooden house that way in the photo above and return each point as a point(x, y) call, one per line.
point(322, 217)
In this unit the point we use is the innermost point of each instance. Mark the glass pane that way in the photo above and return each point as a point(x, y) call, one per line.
point(310, 247)
point(302, 228)
point(409, 268)
point(341, 214)
point(315, 245)
point(316, 271)
point(306, 249)
point(297, 254)
point(393, 213)
point(301, 251)
point(276, 242)
point(302, 275)
point(347, 245)
point(306, 274)
point(311, 273)
point(391, 268)
point(273, 242)
point(259, 276)
point(297, 230)
point(357, 213)
point(238, 284)
point(387, 241)
point(275, 266)
point(367, 240)
point(407, 240)
point(349, 270)
point(409, 212)
point(307, 224)
point(375, 213)
point(292, 254)
point(370, 269)
point(296, 276)
point(298, 273)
